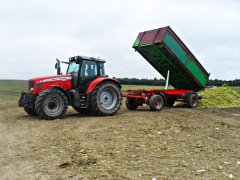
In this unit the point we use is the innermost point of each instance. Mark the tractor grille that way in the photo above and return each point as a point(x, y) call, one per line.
point(30, 84)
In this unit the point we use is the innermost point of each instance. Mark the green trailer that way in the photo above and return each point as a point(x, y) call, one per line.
point(164, 50)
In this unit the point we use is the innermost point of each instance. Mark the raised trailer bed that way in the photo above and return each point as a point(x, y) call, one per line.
point(164, 50)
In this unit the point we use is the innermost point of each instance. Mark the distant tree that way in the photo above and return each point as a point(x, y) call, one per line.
point(161, 82)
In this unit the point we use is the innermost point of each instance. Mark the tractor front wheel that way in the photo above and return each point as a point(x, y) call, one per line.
point(105, 99)
point(30, 110)
point(51, 104)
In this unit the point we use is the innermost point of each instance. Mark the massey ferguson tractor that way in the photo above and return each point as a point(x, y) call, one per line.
point(85, 87)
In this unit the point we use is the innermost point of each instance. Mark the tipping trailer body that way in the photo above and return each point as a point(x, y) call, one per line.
point(164, 50)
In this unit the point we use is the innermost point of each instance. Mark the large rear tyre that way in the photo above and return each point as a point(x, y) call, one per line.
point(51, 104)
point(105, 99)
point(82, 110)
point(156, 102)
point(30, 111)
point(192, 100)
point(130, 104)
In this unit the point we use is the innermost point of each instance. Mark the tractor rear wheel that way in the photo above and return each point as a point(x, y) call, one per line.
point(192, 100)
point(156, 102)
point(30, 111)
point(105, 99)
point(51, 104)
point(130, 104)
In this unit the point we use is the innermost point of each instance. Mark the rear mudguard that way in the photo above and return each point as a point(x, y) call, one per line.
point(99, 80)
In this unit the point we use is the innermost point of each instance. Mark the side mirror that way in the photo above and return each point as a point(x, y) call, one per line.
point(58, 67)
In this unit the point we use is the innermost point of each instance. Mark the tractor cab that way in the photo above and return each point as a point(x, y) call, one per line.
point(86, 67)
point(83, 70)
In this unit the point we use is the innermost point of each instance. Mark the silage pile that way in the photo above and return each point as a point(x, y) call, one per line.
point(219, 97)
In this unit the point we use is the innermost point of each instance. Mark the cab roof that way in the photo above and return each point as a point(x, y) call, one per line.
point(86, 58)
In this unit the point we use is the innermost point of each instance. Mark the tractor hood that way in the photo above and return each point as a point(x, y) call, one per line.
point(51, 78)
point(37, 85)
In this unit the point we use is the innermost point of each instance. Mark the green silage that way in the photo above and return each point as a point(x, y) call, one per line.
point(219, 97)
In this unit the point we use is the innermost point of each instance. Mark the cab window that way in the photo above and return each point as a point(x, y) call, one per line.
point(89, 69)
point(73, 68)
point(101, 68)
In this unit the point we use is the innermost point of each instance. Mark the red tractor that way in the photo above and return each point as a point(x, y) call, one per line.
point(85, 87)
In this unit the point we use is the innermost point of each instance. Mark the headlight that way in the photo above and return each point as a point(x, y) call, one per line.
point(31, 84)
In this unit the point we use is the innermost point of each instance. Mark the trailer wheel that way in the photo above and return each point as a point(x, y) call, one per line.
point(130, 104)
point(156, 102)
point(51, 104)
point(30, 111)
point(192, 100)
point(105, 99)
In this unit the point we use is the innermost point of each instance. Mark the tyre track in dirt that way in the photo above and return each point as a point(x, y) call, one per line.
point(174, 143)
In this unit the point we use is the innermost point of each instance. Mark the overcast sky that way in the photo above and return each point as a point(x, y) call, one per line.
point(34, 33)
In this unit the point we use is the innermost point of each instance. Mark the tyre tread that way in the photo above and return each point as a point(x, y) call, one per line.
point(152, 102)
point(130, 105)
point(30, 111)
point(40, 100)
point(94, 106)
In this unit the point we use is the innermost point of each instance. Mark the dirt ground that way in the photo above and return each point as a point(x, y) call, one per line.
point(176, 143)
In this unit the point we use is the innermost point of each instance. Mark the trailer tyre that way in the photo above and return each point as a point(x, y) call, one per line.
point(130, 104)
point(105, 99)
point(156, 102)
point(51, 104)
point(192, 100)
point(30, 111)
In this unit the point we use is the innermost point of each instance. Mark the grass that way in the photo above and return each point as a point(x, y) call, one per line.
point(132, 87)
point(18, 86)
point(13, 85)
point(237, 89)
point(13, 88)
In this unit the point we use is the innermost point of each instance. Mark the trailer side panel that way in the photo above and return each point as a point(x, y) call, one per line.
point(165, 51)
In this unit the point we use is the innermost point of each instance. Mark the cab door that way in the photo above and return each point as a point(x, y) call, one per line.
point(88, 72)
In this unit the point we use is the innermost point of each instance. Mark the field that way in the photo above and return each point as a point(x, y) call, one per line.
point(237, 89)
point(176, 143)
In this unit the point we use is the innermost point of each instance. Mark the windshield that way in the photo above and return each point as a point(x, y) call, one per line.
point(73, 67)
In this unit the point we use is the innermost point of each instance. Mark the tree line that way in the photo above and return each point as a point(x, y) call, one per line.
point(161, 82)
